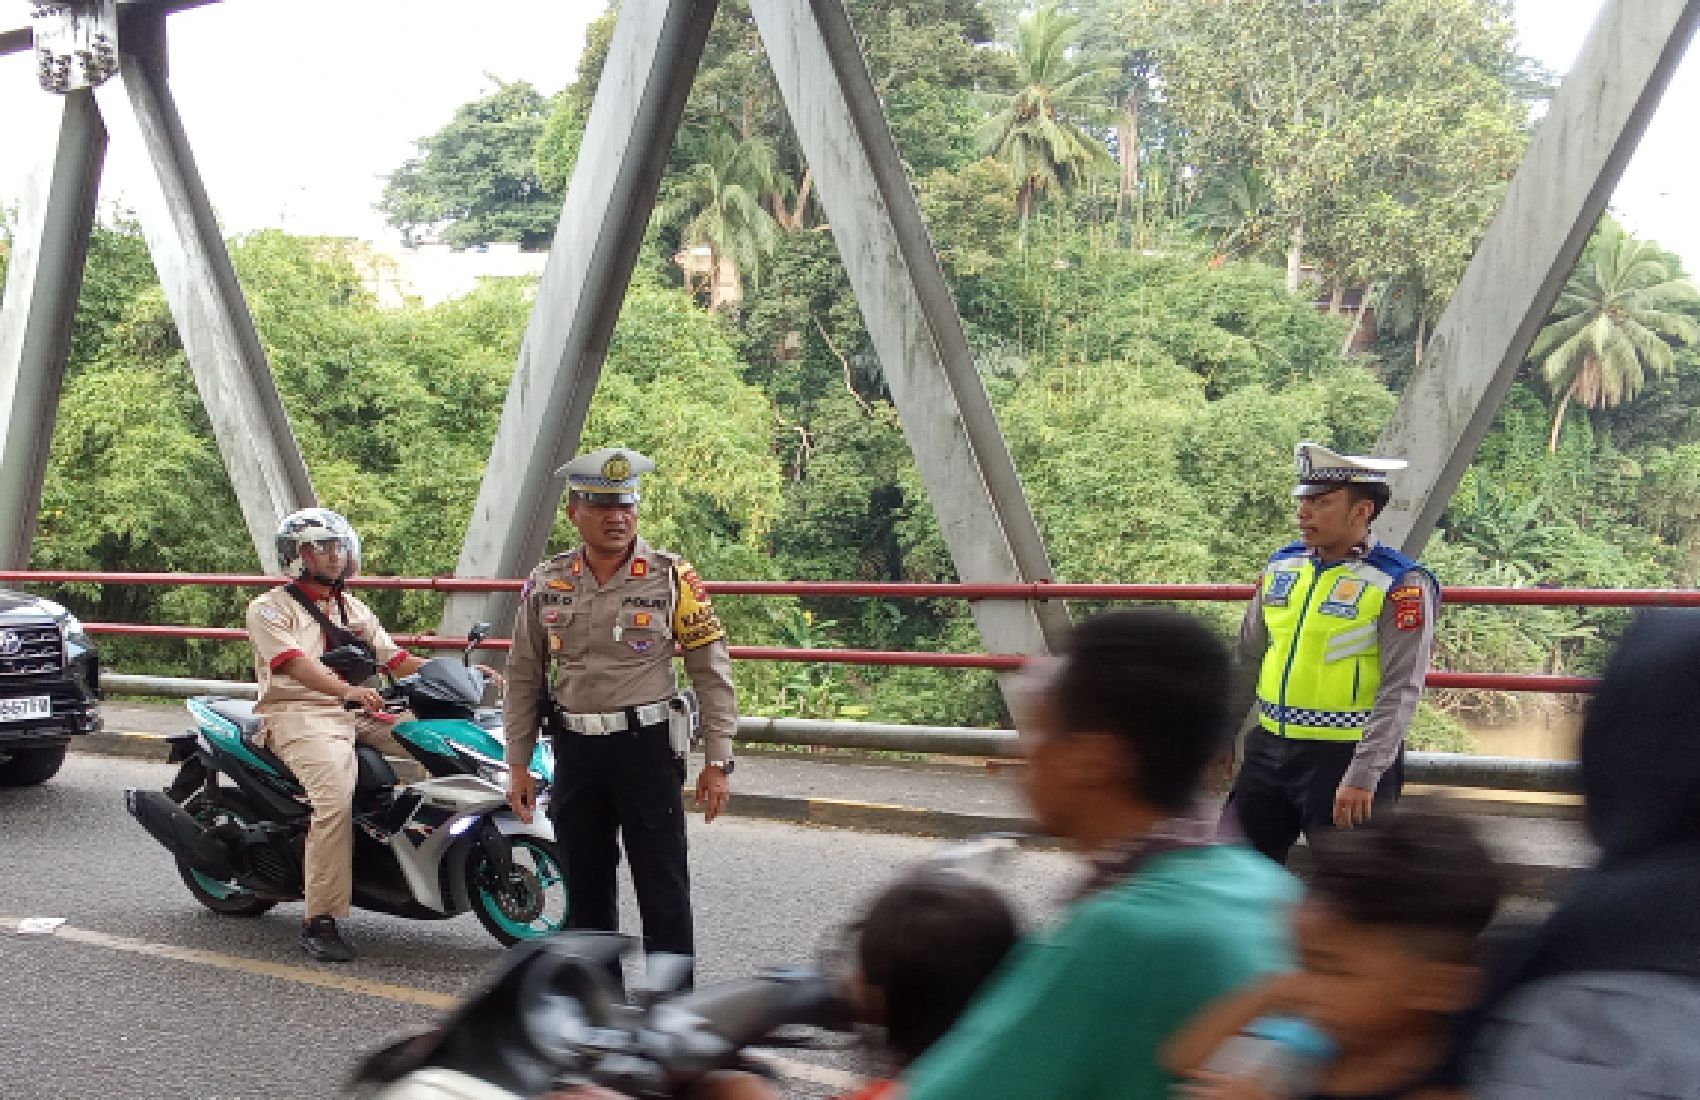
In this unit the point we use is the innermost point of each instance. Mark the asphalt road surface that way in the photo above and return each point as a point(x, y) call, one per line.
point(144, 994)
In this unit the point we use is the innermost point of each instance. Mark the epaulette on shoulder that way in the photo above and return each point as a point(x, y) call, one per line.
point(1295, 549)
point(1395, 563)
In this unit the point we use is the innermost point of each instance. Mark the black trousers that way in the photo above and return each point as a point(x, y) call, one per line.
point(623, 788)
point(1287, 786)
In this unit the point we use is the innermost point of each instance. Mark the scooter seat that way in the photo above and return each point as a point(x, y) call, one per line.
point(373, 773)
point(240, 713)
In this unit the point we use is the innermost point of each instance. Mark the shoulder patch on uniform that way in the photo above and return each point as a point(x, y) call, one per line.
point(270, 614)
point(688, 574)
point(1407, 601)
point(694, 621)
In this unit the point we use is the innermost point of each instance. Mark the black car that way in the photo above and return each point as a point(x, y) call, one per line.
point(49, 687)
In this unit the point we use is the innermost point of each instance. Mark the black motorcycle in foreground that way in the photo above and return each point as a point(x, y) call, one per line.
point(550, 1016)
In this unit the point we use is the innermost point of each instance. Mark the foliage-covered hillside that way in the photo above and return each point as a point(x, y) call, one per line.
point(1157, 248)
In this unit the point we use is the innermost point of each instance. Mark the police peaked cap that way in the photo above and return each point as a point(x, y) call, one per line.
point(610, 474)
point(1322, 470)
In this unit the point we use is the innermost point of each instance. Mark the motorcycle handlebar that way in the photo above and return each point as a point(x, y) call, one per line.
point(395, 700)
point(745, 1010)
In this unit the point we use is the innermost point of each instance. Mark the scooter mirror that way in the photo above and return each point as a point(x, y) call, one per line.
point(473, 637)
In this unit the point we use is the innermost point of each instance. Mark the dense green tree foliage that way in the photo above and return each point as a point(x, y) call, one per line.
point(478, 178)
point(1125, 264)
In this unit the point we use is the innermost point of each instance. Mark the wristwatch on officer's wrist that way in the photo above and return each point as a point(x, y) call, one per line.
point(724, 765)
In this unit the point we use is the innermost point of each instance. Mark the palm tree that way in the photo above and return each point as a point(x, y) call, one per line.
point(718, 204)
point(1611, 325)
point(1037, 129)
point(1236, 206)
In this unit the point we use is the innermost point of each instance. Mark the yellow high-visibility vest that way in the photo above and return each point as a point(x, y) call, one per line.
point(1323, 665)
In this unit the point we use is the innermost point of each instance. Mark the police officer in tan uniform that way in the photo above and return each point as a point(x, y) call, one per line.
point(592, 662)
point(301, 701)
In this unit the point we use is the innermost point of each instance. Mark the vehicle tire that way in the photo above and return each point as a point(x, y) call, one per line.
point(27, 767)
point(225, 898)
point(532, 902)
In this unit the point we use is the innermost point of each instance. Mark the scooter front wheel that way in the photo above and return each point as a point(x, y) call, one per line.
point(529, 900)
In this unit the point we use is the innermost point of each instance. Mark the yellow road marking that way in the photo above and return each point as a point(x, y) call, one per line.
point(789, 1067)
point(300, 974)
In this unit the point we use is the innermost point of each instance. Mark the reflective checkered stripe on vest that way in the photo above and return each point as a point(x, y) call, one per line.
point(1323, 665)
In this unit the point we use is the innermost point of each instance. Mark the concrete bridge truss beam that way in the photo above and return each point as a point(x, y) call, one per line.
point(877, 224)
point(224, 351)
point(651, 64)
point(1555, 200)
point(43, 279)
point(911, 317)
point(228, 361)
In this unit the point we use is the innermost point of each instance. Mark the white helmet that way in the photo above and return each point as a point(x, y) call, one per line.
point(316, 525)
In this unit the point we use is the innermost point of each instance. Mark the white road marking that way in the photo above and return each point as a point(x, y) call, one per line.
point(786, 1067)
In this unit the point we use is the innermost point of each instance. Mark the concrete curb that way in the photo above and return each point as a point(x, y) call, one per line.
point(137, 746)
point(836, 813)
point(1526, 880)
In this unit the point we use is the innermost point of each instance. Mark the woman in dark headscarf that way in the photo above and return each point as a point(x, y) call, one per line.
point(1603, 999)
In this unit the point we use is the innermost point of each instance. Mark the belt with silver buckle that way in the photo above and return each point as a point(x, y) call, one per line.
point(618, 721)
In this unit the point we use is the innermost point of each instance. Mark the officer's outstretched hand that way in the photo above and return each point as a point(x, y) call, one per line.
point(714, 790)
point(522, 793)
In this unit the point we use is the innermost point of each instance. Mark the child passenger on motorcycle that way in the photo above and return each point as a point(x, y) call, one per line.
point(923, 949)
point(1387, 936)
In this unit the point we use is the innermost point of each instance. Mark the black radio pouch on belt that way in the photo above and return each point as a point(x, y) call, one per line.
point(346, 653)
point(549, 716)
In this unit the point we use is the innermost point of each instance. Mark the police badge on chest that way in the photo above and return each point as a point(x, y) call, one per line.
point(1343, 598)
point(1280, 589)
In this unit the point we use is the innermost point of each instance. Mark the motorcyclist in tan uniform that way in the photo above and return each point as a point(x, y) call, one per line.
point(593, 664)
point(301, 701)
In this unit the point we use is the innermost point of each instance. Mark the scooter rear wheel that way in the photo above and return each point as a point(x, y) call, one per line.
point(224, 898)
point(530, 901)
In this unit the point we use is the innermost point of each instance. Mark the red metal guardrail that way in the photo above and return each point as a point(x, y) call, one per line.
point(1480, 596)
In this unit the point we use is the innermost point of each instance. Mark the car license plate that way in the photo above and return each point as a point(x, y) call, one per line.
point(25, 708)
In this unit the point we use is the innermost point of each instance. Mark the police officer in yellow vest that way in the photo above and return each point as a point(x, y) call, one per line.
point(592, 665)
point(1339, 634)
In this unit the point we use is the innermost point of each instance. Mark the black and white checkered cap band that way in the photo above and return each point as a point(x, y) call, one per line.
point(1342, 473)
point(1321, 719)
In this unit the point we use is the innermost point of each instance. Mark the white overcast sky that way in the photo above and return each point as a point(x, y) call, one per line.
point(297, 108)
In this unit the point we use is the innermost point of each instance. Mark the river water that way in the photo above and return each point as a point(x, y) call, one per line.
point(1538, 737)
